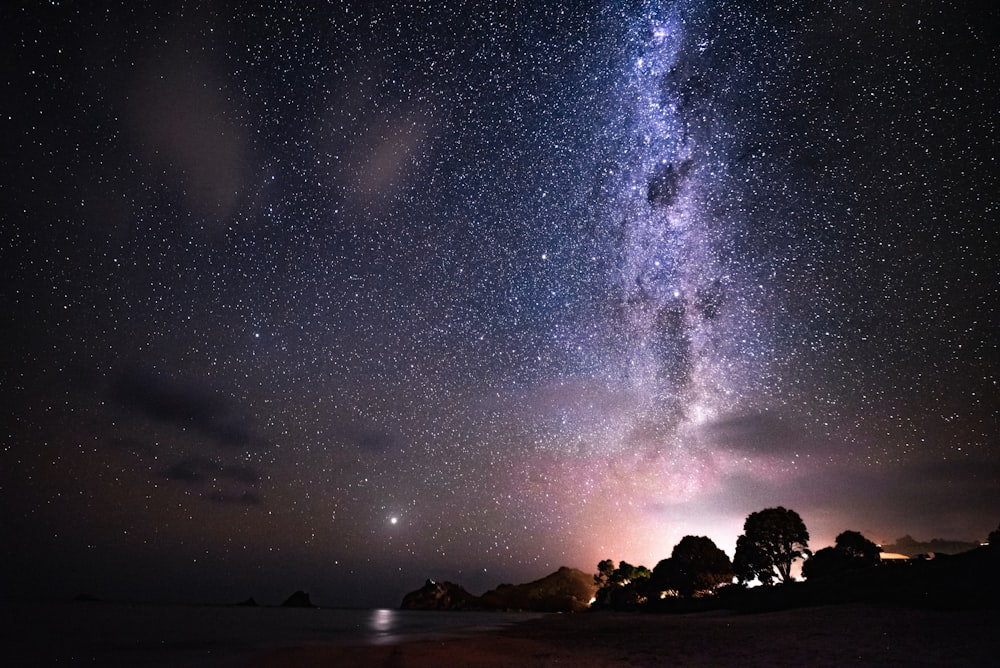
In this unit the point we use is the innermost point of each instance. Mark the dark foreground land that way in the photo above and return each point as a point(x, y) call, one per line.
point(832, 635)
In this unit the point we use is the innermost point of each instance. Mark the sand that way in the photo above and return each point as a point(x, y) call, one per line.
point(857, 635)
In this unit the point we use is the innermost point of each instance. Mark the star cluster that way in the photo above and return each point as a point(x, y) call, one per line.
point(346, 295)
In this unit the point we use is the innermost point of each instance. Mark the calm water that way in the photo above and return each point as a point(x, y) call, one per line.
point(107, 634)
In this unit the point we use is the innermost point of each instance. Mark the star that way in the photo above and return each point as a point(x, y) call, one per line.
point(572, 279)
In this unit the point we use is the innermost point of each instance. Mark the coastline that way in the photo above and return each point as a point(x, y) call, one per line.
point(833, 635)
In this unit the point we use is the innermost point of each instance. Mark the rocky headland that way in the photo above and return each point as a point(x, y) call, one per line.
point(566, 590)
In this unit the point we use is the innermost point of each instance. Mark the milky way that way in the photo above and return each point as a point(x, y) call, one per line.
point(343, 297)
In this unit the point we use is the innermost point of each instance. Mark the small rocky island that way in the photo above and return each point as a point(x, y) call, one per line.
point(299, 599)
point(566, 590)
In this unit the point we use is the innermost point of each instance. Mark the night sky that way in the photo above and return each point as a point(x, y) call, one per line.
point(343, 296)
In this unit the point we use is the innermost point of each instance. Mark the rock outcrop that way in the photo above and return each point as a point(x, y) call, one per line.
point(299, 599)
point(439, 596)
point(566, 590)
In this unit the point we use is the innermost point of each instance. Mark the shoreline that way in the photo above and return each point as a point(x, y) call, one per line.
point(833, 635)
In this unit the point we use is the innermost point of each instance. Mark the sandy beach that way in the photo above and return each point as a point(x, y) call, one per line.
point(860, 635)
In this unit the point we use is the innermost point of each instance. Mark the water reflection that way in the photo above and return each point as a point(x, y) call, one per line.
point(382, 625)
point(387, 626)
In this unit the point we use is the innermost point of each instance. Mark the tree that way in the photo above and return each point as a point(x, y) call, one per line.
point(851, 552)
point(772, 539)
point(627, 573)
point(605, 571)
point(825, 563)
point(620, 587)
point(695, 566)
point(746, 560)
point(858, 549)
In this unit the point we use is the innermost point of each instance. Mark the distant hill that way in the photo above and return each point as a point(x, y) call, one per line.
point(439, 596)
point(566, 590)
point(910, 547)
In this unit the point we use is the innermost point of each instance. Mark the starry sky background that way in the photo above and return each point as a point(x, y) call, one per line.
point(343, 296)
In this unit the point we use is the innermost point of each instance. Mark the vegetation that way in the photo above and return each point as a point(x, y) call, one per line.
point(772, 539)
point(698, 575)
point(696, 567)
point(622, 587)
point(852, 552)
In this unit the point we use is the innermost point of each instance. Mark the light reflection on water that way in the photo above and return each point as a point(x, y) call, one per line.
point(386, 626)
point(381, 624)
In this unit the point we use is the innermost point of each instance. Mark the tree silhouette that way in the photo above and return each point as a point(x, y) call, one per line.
point(824, 563)
point(605, 571)
point(627, 573)
point(695, 566)
point(620, 587)
point(772, 539)
point(852, 552)
point(860, 550)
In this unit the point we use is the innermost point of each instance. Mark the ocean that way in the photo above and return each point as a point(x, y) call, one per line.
point(118, 634)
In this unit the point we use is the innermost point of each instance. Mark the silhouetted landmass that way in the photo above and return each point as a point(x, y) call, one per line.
point(910, 547)
point(851, 574)
point(566, 590)
point(947, 582)
point(251, 603)
point(964, 581)
point(439, 596)
point(86, 598)
point(299, 599)
point(942, 574)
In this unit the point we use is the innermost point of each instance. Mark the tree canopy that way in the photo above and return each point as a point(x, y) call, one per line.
point(619, 586)
point(772, 539)
point(609, 576)
point(851, 552)
point(858, 548)
point(695, 566)
point(605, 571)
